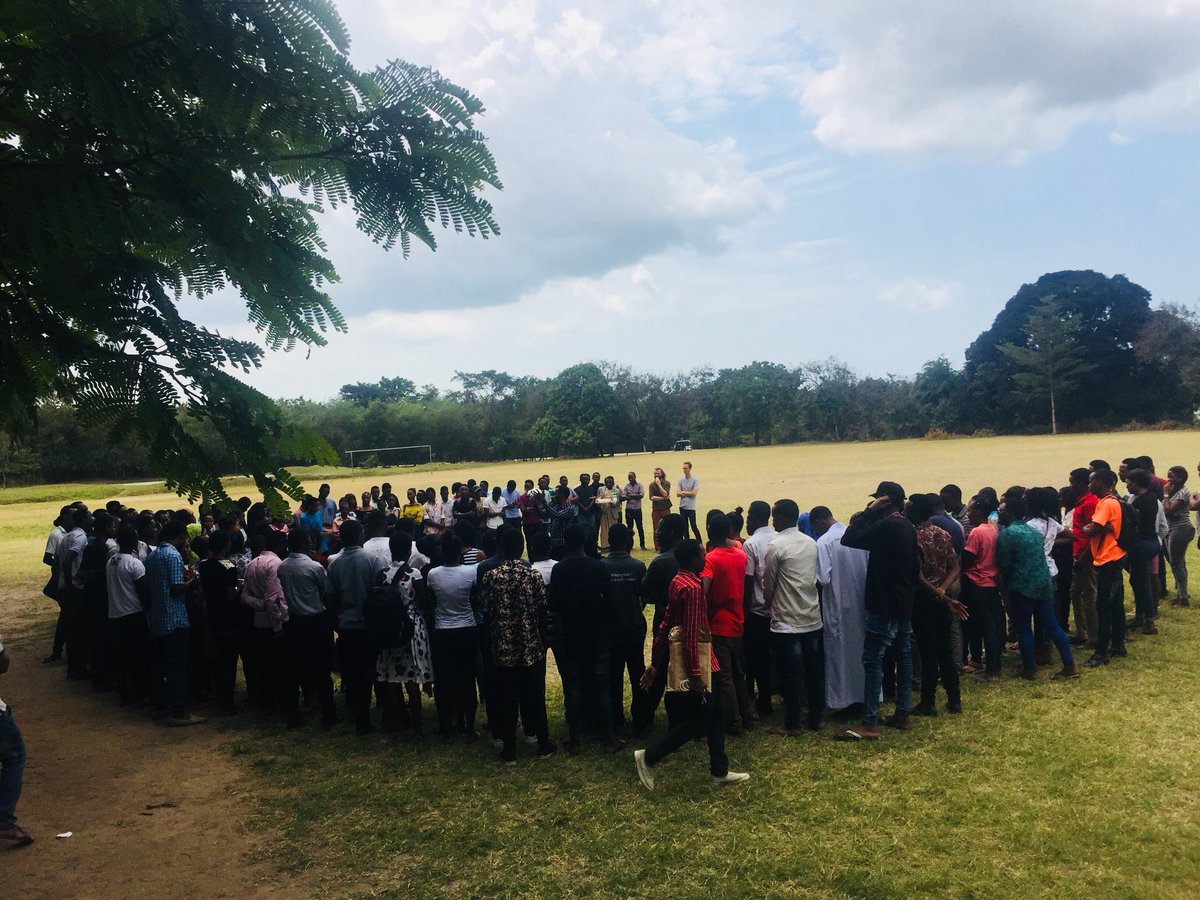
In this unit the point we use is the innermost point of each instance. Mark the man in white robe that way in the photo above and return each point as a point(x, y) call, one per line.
point(842, 576)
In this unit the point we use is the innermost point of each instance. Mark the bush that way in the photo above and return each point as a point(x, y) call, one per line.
point(937, 434)
point(983, 433)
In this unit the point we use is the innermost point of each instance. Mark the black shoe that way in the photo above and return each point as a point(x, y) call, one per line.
point(1149, 628)
point(53, 657)
point(1097, 661)
point(1134, 623)
point(1119, 652)
point(508, 757)
point(897, 721)
point(924, 710)
point(955, 708)
point(547, 749)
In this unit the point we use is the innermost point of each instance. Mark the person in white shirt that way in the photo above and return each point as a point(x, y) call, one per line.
point(433, 519)
point(757, 633)
point(790, 592)
point(842, 576)
point(493, 509)
point(61, 525)
point(128, 593)
point(376, 544)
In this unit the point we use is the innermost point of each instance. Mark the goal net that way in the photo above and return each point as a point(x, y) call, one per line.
point(384, 457)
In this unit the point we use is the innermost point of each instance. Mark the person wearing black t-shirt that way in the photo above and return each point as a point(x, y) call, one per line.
point(1144, 551)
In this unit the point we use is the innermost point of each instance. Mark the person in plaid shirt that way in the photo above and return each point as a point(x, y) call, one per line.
point(697, 710)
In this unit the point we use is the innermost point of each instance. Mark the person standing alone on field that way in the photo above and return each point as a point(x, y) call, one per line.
point(688, 487)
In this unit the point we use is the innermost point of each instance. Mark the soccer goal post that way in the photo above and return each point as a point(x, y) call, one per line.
point(384, 457)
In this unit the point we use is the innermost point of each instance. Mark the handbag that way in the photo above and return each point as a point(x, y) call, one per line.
point(677, 673)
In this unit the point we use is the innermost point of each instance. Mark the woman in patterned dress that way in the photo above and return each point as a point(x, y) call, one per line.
point(410, 665)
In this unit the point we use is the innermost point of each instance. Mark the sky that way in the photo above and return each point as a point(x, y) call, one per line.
point(698, 183)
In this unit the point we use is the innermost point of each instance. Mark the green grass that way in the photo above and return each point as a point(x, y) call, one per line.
point(1088, 788)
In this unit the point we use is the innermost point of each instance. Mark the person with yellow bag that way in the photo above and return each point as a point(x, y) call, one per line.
point(684, 645)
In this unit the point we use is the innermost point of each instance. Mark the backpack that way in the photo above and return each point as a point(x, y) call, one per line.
point(386, 611)
point(1127, 536)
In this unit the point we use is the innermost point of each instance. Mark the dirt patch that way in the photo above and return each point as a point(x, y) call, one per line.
point(153, 811)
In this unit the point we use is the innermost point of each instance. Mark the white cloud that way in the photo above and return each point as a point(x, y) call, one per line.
point(998, 80)
point(920, 296)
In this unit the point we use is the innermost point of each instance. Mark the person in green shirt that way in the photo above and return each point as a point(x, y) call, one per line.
point(1021, 559)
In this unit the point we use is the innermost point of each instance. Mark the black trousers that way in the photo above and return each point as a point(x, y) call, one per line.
point(356, 657)
point(75, 627)
point(756, 642)
point(689, 520)
point(228, 645)
point(633, 519)
point(129, 640)
point(694, 715)
point(521, 688)
point(730, 682)
point(802, 664)
point(310, 654)
point(587, 697)
point(985, 627)
point(271, 654)
point(931, 624)
point(628, 655)
point(454, 653)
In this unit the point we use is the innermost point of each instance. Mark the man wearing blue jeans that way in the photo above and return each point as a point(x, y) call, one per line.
point(893, 574)
point(12, 771)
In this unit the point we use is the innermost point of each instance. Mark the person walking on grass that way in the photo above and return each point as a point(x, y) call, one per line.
point(12, 771)
point(893, 574)
point(683, 648)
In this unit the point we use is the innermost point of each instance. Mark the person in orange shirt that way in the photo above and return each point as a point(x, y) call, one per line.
point(1108, 559)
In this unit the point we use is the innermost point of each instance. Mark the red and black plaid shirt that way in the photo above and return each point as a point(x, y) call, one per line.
point(687, 607)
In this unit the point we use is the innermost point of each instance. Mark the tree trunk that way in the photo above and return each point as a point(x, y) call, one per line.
point(1053, 417)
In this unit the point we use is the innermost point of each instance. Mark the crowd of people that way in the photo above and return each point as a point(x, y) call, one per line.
point(460, 593)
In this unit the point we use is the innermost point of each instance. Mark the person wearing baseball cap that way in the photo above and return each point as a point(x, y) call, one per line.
point(893, 576)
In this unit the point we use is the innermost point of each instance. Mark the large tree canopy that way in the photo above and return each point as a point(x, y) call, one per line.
point(1109, 314)
point(151, 149)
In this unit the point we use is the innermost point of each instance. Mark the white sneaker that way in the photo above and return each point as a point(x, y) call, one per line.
point(645, 772)
point(731, 778)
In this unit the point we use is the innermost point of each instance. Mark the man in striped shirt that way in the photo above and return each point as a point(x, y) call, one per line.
point(696, 710)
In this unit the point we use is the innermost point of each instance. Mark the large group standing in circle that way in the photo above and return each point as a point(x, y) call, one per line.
point(461, 593)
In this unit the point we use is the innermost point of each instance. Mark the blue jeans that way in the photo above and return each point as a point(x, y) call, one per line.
point(1142, 556)
point(881, 634)
point(1042, 610)
point(12, 768)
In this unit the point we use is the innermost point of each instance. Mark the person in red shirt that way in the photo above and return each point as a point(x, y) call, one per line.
point(692, 708)
point(981, 592)
point(724, 580)
point(1083, 573)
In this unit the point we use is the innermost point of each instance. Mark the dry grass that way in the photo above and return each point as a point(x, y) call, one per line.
point(1085, 788)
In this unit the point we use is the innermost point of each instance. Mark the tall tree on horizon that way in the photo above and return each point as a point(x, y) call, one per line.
point(1052, 363)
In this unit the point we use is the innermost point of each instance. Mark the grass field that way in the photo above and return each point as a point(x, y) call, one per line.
point(1088, 788)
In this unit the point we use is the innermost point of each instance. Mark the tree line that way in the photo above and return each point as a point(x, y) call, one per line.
point(1075, 350)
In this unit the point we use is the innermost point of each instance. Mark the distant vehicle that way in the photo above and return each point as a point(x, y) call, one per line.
point(684, 445)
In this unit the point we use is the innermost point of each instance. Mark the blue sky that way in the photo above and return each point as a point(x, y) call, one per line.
point(705, 183)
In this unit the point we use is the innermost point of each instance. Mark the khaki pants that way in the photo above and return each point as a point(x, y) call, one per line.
point(1083, 596)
